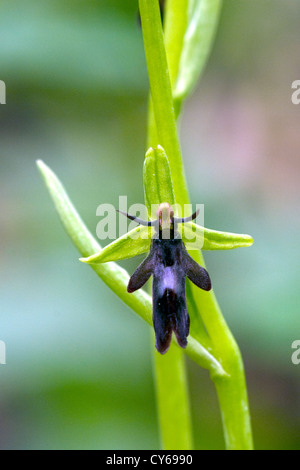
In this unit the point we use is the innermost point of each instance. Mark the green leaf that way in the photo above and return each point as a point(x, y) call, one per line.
point(175, 24)
point(203, 19)
point(113, 275)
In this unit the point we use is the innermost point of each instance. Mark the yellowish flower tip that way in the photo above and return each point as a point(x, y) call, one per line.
point(165, 215)
point(149, 152)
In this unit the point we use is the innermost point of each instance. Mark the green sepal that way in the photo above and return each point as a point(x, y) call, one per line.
point(196, 237)
point(193, 236)
point(158, 186)
point(134, 243)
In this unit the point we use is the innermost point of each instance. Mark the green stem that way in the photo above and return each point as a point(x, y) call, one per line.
point(170, 373)
point(232, 392)
point(161, 93)
point(221, 355)
point(173, 406)
point(233, 401)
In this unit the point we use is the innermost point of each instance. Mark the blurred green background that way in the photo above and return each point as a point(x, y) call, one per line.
point(79, 368)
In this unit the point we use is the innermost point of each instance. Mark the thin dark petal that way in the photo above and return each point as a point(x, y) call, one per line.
point(187, 219)
point(196, 273)
point(138, 220)
point(141, 274)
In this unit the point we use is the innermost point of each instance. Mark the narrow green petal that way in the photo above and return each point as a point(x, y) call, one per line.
point(137, 242)
point(203, 19)
point(134, 243)
point(214, 240)
point(158, 184)
point(201, 238)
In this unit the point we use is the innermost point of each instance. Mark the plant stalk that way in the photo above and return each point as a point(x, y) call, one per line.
point(231, 390)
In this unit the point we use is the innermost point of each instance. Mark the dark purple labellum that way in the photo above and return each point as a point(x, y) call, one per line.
point(169, 263)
